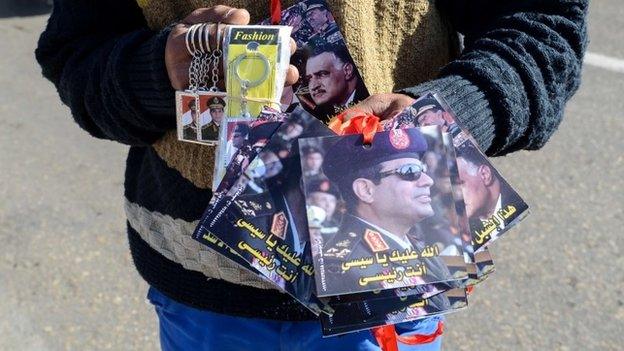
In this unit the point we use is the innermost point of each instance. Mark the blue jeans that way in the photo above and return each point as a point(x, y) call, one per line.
point(186, 328)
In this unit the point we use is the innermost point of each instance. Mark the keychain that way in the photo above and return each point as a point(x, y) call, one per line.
point(200, 108)
point(212, 100)
point(251, 53)
point(257, 59)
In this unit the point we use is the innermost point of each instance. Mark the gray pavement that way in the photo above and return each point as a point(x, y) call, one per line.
point(67, 281)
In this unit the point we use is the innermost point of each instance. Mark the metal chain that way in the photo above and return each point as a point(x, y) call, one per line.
point(204, 63)
point(216, 55)
point(243, 103)
point(204, 68)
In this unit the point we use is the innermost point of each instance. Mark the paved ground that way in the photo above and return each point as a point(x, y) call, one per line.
point(67, 281)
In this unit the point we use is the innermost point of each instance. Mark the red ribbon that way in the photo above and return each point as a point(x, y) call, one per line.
point(358, 122)
point(388, 339)
point(276, 11)
point(418, 339)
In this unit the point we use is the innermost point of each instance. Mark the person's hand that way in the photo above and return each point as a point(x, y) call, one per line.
point(177, 57)
point(385, 106)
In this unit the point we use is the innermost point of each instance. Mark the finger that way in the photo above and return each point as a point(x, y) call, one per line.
point(293, 46)
point(375, 105)
point(385, 106)
point(219, 13)
point(292, 76)
point(399, 104)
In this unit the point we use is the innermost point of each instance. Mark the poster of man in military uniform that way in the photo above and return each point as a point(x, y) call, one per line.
point(213, 107)
point(188, 117)
point(387, 193)
point(322, 22)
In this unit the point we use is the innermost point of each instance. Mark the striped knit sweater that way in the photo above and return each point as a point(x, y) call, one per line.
point(521, 64)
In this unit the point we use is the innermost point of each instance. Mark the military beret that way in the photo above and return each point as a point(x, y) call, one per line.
point(349, 154)
point(216, 102)
point(322, 186)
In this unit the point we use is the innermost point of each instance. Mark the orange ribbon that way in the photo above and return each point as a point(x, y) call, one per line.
point(388, 339)
point(358, 122)
point(418, 339)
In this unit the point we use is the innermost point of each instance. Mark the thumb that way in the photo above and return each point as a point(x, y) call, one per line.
point(374, 104)
point(385, 106)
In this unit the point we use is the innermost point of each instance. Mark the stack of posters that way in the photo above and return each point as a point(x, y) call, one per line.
point(361, 233)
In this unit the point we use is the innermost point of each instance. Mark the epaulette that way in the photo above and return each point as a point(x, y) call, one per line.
point(255, 204)
point(341, 246)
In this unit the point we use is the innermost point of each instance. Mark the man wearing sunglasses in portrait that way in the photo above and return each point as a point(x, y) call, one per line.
point(386, 191)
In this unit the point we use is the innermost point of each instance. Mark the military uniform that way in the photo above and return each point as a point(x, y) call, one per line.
point(189, 132)
point(357, 239)
point(330, 34)
point(360, 249)
point(276, 212)
point(210, 131)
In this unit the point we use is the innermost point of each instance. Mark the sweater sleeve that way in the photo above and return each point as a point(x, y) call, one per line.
point(109, 68)
point(521, 64)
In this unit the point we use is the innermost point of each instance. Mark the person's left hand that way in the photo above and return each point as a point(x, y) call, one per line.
point(385, 106)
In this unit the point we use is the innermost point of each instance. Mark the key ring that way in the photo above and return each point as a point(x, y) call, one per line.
point(204, 38)
point(251, 52)
point(189, 39)
point(217, 50)
point(216, 55)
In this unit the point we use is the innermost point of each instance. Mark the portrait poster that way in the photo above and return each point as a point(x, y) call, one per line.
point(211, 116)
point(187, 116)
point(492, 205)
point(369, 252)
point(232, 178)
point(320, 91)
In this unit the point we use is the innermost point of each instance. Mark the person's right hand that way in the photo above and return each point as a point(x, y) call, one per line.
point(177, 57)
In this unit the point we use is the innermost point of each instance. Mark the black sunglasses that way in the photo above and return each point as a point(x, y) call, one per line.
point(409, 172)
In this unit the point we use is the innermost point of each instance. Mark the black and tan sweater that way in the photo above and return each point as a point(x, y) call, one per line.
point(521, 64)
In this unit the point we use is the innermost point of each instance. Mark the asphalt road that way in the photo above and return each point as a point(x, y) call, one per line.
point(67, 281)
